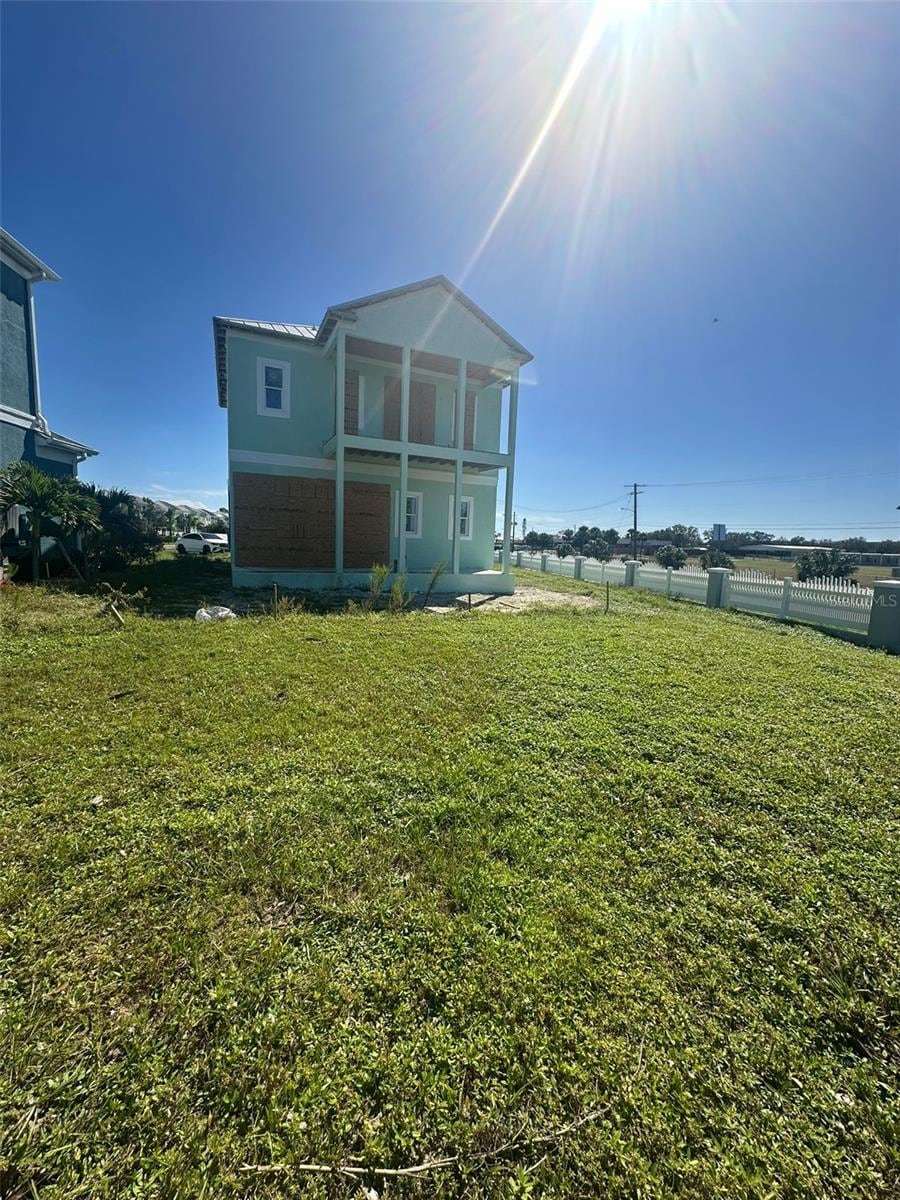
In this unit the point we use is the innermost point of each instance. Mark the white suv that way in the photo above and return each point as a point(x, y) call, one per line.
point(201, 543)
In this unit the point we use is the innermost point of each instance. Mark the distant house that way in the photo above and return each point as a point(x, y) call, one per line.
point(24, 432)
point(373, 437)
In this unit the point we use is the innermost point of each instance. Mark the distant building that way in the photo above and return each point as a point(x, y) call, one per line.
point(24, 432)
point(791, 552)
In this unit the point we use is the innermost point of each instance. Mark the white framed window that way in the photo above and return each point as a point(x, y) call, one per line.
point(413, 514)
point(273, 387)
point(466, 518)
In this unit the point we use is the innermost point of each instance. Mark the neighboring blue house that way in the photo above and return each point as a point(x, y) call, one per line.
point(24, 432)
point(373, 437)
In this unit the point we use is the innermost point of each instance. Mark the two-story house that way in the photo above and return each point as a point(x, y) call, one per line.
point(24, 432)
point(377, 436)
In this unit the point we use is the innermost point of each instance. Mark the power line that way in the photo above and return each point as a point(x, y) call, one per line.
point(774, 479)
point(560, 512)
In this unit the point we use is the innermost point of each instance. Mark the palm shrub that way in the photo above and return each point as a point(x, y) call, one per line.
point(123, 535)
point(56, 507)
point(715, 558)
point(597, 549)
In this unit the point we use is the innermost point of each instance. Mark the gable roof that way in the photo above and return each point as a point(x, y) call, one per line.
point(349, 306)
point(319, 334)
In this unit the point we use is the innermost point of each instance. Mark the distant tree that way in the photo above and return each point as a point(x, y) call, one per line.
point(671, 556)
point(122, 535)
point(532, 539)
point(684, 535)
point(580, 538)
point(564, 549)
point(715, 558)
point(819, 564)
point(597, 548)
point(545, 541)
point(567, 535)
point(55, 506)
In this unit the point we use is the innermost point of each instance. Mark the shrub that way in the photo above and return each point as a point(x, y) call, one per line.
point(377, 577)
point(399, 598)
point(597, 549)
point(436, 572)
point(715, 558)
point(818, 564)
point(671, 556)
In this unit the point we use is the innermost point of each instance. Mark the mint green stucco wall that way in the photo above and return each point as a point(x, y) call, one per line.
point(411, 321)
point(311, 422)
point(434, 545)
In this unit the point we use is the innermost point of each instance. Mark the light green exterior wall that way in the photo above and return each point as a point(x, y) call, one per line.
point(267, 445)
point(434, 545)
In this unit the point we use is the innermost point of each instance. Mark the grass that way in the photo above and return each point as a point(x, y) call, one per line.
point(386, 888)
point(777, 568)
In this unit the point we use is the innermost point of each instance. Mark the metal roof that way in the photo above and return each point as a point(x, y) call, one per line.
point(320, 333)
point(30, 263)
point(278, 329)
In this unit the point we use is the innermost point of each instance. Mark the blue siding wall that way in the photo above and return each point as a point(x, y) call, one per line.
point(16, 381)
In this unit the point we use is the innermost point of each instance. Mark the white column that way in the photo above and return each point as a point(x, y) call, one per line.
point(460, 419)
point(404, 460)
point(340, 376)
point(510, 466)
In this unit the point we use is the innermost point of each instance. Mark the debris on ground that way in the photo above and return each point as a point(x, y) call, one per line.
point(217, 612)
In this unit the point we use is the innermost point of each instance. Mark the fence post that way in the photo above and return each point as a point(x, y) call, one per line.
point(518, 558)
point(602, 573)
point(787, 585)
point(579, 564)
point(717, 587)
point(544, 561)
point(884, 619)
point(669, 582)
point(631, 566)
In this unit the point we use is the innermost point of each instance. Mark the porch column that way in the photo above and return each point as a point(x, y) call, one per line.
point(510, 467)
point(340, 378)
point(458, 463)
point(404, 460)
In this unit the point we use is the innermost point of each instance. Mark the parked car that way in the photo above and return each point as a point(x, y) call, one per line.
point(201, 543)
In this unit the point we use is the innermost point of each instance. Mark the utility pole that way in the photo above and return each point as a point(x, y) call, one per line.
point(633, 488)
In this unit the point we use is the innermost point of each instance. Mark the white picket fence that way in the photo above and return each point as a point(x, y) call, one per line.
point(835, 603)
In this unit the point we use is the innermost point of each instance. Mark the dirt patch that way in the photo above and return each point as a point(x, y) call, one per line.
point(523, 599)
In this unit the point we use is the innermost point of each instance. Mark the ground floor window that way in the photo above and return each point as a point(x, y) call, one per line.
point(413, 516)
point(466, 511)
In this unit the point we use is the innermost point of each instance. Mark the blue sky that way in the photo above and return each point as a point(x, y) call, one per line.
point(173, 161)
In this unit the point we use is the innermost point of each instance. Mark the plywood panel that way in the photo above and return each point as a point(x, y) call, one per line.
point(283, 522)
point(367, 524)
point(351, 401)
point(392, 407)
point(421, 412)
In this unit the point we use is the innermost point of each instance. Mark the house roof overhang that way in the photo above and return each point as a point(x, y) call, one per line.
point(347, 311)
point(27, 264)
point(320, 334)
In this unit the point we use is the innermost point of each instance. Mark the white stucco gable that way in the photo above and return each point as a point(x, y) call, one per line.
point(433, 316)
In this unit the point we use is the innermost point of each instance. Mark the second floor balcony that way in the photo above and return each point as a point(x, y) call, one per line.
point(434, 425)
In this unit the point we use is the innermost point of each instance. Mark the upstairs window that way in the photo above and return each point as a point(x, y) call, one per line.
point(273, 388)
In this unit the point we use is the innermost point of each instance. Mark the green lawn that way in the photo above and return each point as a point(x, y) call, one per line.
point(777, 568)
point(590, 904)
